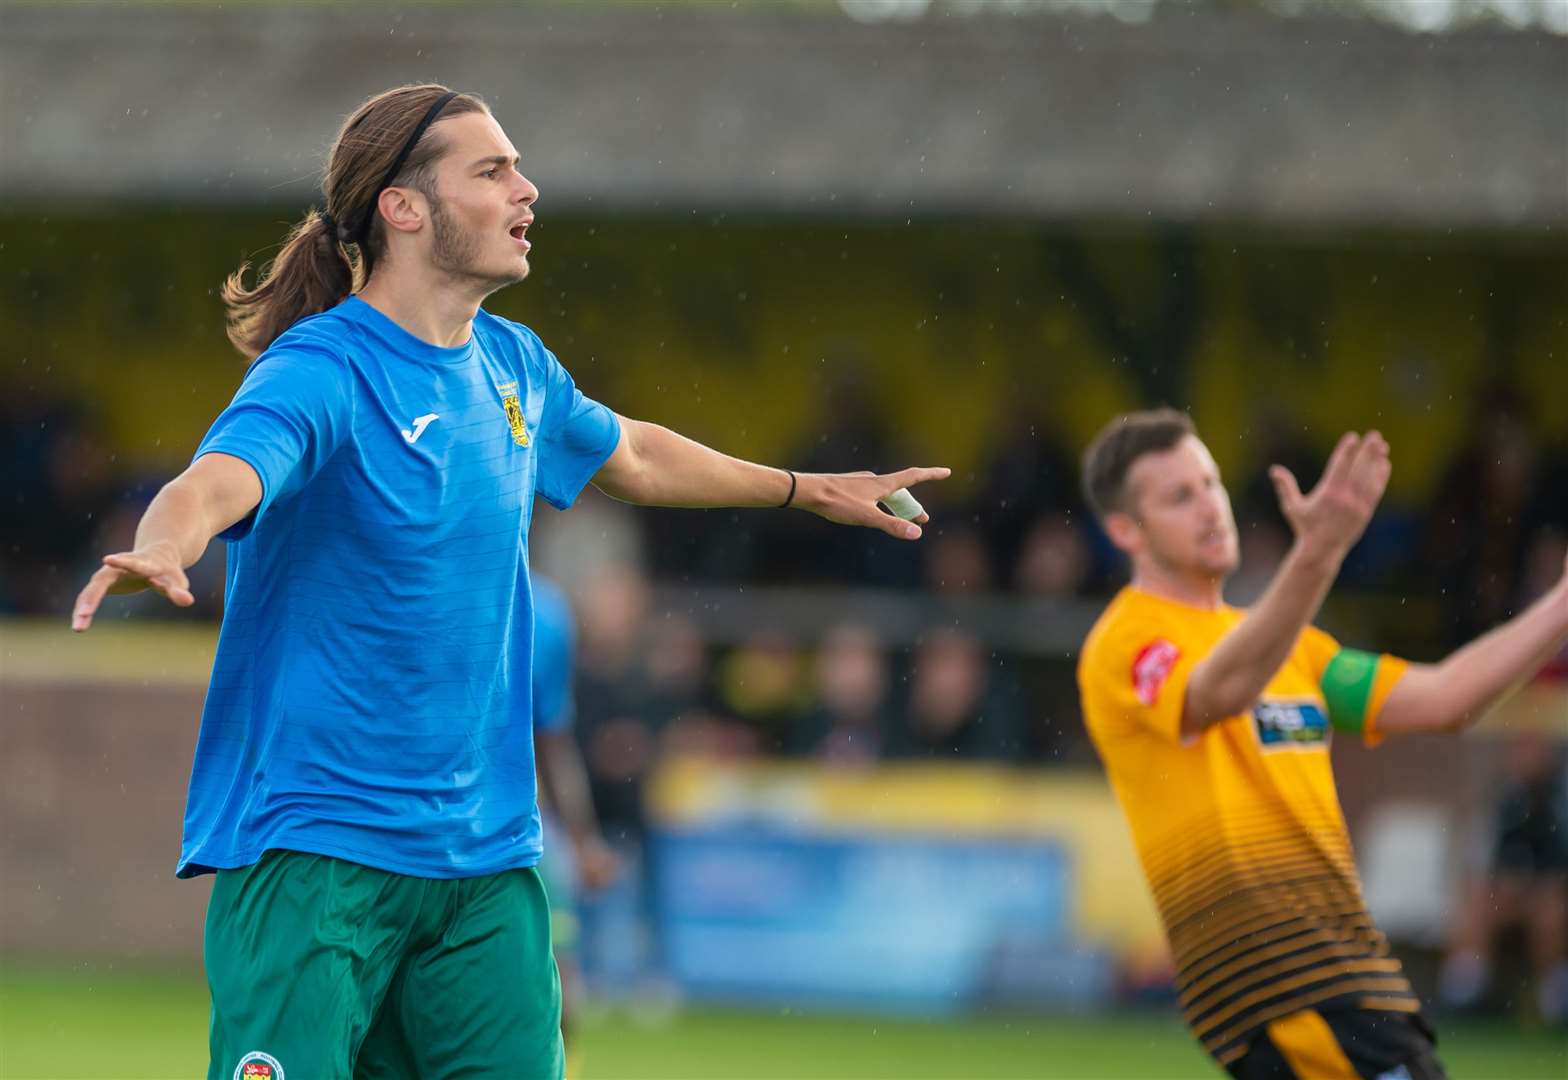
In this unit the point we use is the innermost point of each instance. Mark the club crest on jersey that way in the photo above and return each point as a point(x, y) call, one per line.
point(1283, 724)
point(258, 1066)
point(1151, 667)
point(514, 413)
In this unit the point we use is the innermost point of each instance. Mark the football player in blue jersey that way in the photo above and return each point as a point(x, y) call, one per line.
point(363, 785)
point(584, 861)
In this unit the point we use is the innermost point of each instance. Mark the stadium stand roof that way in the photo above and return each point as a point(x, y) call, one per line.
point(1200, 116)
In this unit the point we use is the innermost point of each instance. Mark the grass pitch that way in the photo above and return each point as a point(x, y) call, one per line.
point(107, 1023)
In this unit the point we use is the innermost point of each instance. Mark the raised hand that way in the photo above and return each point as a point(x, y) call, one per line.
point(851, 498)
point(156, 566)
point(1332, 518)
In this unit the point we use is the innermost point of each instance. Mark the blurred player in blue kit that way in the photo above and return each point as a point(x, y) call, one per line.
point(579, 860)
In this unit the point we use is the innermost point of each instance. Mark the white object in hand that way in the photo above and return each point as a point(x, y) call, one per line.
point(902, 504)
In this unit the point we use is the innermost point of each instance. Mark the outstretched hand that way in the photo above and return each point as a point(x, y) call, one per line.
point(156, 567)
point(1332, 518)
point(852, 498)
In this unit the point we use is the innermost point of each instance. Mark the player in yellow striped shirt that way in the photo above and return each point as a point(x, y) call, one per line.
point(1214, 726)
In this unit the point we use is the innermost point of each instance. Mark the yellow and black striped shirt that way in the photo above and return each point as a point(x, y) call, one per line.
point(1239, 829)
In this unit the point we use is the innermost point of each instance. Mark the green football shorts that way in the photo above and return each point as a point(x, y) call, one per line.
point(322, 969)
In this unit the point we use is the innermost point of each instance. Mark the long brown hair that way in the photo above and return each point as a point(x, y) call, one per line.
point(326, 257)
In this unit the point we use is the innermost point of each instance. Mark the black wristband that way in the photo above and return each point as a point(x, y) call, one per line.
point(785, 504)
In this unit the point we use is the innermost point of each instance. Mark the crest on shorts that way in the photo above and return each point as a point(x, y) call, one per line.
point(258, 1066)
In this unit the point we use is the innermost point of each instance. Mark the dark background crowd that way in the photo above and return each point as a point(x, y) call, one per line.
point(850, 688)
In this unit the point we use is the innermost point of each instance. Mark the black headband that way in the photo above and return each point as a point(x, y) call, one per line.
point(363, 228)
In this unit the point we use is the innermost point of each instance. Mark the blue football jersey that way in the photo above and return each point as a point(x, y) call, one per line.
point(372, 693)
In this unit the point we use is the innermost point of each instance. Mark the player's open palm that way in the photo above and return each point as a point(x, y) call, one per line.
point(853, 498)
point(1333, 516)
point(156, 566)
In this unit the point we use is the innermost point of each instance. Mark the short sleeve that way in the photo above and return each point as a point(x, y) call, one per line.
point(554, 646)
point(576, 436)
point(1390, 669)
point(1317, 649)
point(289, 416)
point(1133, 679)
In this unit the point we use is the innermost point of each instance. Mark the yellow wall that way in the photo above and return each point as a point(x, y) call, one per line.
point(734, 331)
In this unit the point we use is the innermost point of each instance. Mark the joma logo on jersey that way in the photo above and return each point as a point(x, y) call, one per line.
point(1289, 723)
point(514, 413)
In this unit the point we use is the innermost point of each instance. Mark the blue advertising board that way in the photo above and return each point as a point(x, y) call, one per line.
point(751, 911)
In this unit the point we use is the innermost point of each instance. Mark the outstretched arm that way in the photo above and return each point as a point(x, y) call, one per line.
point(654, 466)
point(215, 492)
point(1453, 694)
point(1327, 524)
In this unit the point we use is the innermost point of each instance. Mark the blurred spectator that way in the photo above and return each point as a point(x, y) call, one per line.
point(849, 724)
point(612, 698)
point(57, 484)
point(678, 677)
point(851, 434)
point(1264, 544)
point(762, 686)
point(956, 708)
point(1027, 475)
point(677, 670)
point(956, 560)
point(1526, 888)
point(599, 533)
point(1055, 559)
point(1478, 545)
point(1281, 443)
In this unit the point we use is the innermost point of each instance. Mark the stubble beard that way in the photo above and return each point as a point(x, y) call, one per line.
point(1195, 568)
point(455, 251)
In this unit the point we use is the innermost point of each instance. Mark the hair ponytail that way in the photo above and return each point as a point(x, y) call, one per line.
point(311, 274)
point(388, 141)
